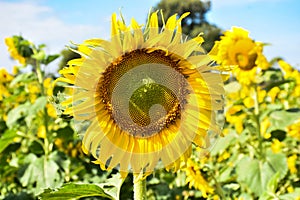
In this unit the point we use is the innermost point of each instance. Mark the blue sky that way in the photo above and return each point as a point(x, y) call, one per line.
point(57, 22)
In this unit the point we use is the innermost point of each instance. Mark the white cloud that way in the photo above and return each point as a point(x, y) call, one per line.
point(39, 24)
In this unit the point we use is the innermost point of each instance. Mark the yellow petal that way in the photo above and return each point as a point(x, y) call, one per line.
point(171, 23)
point(114, 25)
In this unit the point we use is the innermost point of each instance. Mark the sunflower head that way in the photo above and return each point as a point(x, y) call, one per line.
point(237, 48)
point(19, 48)
point(147, 93)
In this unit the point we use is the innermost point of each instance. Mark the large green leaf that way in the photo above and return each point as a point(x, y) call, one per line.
point(281, 119)
point(256, 174)
point(74, 191)
point(7, 138)
point(277, 162)
point(41, 172)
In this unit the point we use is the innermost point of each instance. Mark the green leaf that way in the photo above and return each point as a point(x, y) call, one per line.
point(50, 58)
point(41, 46)
point(112, 186)
point(269, 194)
point(7, 138)
point(24, 78)
point(74, 191)
point(291, 196)
point(277, 163)
point(281, 119)
point(41, 172)
point(38, 105)
point(256, 174)
point(222, 143)
point(17, 113)
point(39, 55)
point(273, 183)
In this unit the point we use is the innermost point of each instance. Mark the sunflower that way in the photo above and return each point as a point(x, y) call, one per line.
point(5, 78)
point(236, 48)
point(196, 180)
point(148, 94)
point(14, 53)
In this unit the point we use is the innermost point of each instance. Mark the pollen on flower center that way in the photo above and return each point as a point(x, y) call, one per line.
point(152, 106)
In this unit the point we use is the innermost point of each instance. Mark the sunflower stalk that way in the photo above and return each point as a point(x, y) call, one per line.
point(257, 116)
point(139, 188)
point(40, 76)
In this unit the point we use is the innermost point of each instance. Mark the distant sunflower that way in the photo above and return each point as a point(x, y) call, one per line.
point(11, 43)
point(147, 93)
point(237, 48)
point(195, 179)
point(5, 79)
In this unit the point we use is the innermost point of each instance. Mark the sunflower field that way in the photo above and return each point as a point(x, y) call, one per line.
point(254, 152)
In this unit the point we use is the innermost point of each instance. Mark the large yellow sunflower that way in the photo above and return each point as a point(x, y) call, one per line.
point(147, 93)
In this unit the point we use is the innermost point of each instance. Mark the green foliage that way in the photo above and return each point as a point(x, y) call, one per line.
point(256, 174)
point(75, 191)
point(38, 150)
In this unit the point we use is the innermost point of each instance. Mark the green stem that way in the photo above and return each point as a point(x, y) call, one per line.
point(40, 77)
point(139, 188)
point(257, 118)
point(219, 189)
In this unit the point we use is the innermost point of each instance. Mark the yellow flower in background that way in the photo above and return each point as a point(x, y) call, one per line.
point(286, 68)
point(276, 146)
point(33, 91)
point(237, 120)
point(48, 86)
point(41, 133)
point(290, 189)
point(5, 78)
point(148, 93)
point(51, 111)
point(234, 109)
point(265, 124)
point(294, 130)
point(273, 93)
point(224, 156)
point(196, 180)
point(248, 102)
point(291, 162)
point(290, 72)
point(251, 95)
point(15, 70)
point(13, 50)
point(237, 48)
point(261, 95)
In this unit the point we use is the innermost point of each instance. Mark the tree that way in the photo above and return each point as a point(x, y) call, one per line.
point(194, 23)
